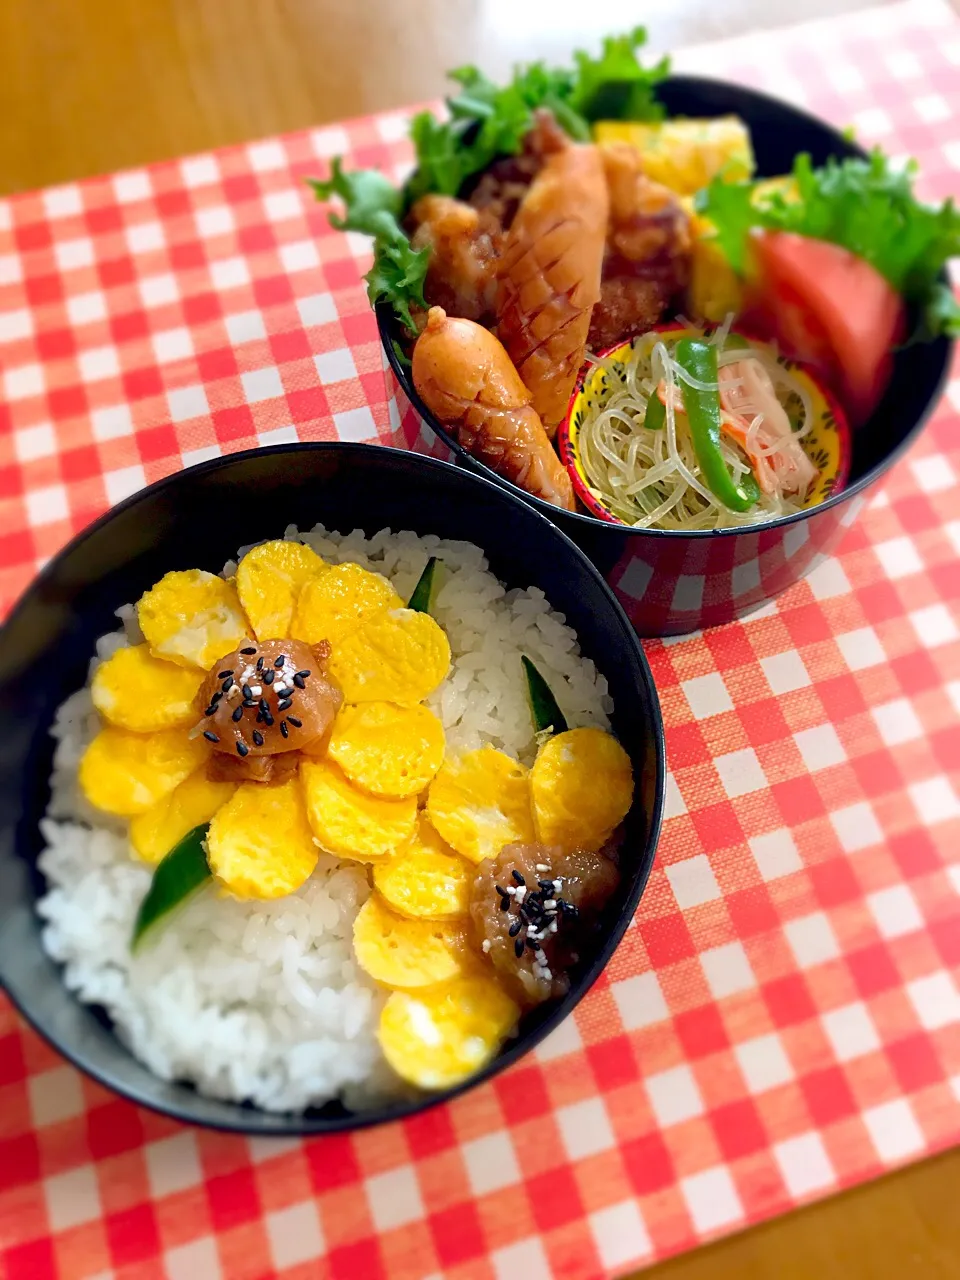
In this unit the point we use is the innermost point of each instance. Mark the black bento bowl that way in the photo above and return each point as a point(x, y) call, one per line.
point(198, 518)
point(670, 582)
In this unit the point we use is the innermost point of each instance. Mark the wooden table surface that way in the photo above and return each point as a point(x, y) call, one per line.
point(88, 86)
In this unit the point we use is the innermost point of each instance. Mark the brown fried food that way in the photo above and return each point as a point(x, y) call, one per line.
point(466, 378)
point(462, 274)
point(503, 185)
point(549, 887)
point(648, 251)
point(549, 276)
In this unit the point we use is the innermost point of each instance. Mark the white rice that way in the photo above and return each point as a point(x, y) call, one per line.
point(263, 1001)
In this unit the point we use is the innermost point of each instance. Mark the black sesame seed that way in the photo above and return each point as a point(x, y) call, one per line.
point(216, 698)
point(305, 673)
point(284, 731)
point(534, 946)
point(224, 675)
point(278, 662)
point(501, 890)
point(515, 928)
point(282, 706)
point(268, 719)
point(257, 738)
point(297, 724)
point(237, 715)
point(504, 904)
point(245, 690)
point(299, 681)
point(518, 948)
point(210, 710)
point(260, 663)
point(518, 877)
point(545, 884)
point(242, 749)
point(268, 677)
point(210, 737)
point(250, 650)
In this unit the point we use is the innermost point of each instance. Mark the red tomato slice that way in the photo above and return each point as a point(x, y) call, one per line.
point(830, 308)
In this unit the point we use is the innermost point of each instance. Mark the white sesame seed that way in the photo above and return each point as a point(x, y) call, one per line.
point(511, 889)
point(546, 975)
point(279, 690)
point(553, 926)
point(542, 866)
point(550, 904)
point(486, 946)
point(255, 691)
point(558, 885)
point(521, 893)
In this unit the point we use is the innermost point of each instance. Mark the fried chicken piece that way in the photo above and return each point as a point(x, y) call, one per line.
point(464, 245)
point(648, 250)
point(503, 185)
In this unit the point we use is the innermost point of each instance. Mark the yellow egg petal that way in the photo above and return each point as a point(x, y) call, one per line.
point(434, 1039)
point(136, 691)
point(480, 801)
point(333, 605)
point(192, 617)
point(427, 879)
point(398, 656)
point(348, 822)
point(260, 844)
point(582, 787)
point(386, 749)
point(154, 832)
point(125, 773)
point(269, 580)
point(400, 952)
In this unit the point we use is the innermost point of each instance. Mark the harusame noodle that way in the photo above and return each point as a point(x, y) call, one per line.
point(651, 478)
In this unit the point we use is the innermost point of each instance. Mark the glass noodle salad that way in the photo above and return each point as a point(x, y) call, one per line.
point(661, 447)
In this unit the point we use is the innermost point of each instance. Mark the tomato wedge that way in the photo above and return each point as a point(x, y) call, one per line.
point(826, 306)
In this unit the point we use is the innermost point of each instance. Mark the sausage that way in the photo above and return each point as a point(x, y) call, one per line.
point(549, 276)
point(465, 377)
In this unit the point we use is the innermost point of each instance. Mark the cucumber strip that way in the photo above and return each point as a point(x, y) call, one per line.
point(547, 716)
point(422, 592)
point(177, 876)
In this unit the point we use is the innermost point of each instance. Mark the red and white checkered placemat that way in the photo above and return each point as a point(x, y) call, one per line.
point(782, 1019)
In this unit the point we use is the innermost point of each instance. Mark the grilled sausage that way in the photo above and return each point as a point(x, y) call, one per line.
point(549, 276)
point(465, 377)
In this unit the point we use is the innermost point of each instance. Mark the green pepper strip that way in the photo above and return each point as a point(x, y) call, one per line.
point(656, 416)
point(702, 408)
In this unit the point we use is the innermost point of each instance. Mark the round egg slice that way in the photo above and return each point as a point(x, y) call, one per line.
point(348, 822)
point(331, 606)
point(480, 801)
point(386, 749)
point(400, 952)
point(192, 617)
point(434, 1039)
point(426, 879)
point(136, 691)
point(582, 788)
point(154, 832)
point(125, 773)
point(260, 844)
point(269, 580)
point(398, 656)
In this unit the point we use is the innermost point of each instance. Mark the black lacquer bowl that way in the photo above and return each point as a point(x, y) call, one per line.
point(198, 518)
point(670, 583)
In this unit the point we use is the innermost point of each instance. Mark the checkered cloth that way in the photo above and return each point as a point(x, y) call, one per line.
point(783, 1017)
